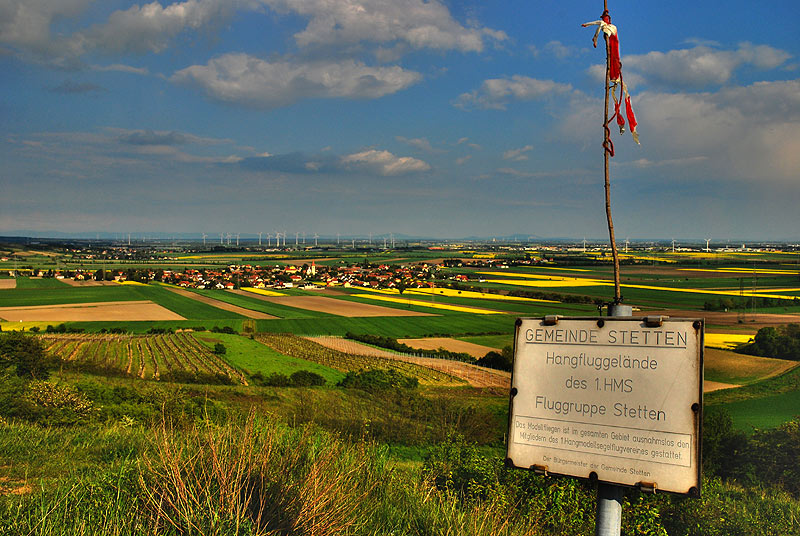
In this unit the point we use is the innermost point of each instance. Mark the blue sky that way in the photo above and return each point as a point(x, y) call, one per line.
point(432, 118)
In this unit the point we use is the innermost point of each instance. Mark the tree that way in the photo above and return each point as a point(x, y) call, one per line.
point(27, 355)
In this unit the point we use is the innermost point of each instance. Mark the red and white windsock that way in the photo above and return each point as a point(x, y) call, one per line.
point(615, 73)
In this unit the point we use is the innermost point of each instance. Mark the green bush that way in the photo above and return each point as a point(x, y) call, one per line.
point(305, 378)
point(27, 355)
point(55, 404)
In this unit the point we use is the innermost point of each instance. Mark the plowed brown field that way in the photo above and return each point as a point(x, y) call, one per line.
point(89, 312)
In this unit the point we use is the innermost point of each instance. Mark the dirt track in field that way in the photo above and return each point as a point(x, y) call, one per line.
point(249, 313)
point(89, 312)
point(88, 283)
point(333, 306)
point(475, 376)
point(750, 325)
point(8, 283)
point(452, 345)
point(709, 387)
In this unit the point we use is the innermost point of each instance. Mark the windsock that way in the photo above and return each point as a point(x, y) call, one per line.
point(615, 72)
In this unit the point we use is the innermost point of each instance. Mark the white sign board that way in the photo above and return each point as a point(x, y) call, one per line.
point(618, 399)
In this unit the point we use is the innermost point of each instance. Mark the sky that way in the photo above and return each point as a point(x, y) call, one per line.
point(427, 118)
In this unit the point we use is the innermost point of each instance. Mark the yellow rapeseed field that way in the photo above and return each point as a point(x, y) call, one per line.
point(262, 291)
point(459, 294)
point(726, 341)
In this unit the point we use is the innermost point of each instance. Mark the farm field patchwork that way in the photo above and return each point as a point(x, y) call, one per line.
point(252, 356)
point(249, 313)
point(429, 304)
point(6, 284)
point(87, 312)
point(302, 348)
point(339, 307)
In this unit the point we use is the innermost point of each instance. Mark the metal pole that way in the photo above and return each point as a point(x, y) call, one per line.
point(608, 521)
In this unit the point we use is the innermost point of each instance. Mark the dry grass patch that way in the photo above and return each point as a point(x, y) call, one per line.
point(744, 368)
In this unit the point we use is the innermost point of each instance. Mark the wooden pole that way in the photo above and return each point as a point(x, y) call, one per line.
point(606, 158)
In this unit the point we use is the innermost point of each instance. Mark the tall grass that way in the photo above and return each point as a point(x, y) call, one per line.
point(258, 478)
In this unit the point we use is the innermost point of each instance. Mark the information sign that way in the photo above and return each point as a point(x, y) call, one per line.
point(618, 399)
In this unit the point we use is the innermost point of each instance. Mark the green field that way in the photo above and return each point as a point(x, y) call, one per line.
point(252, 357)
point(765, 412)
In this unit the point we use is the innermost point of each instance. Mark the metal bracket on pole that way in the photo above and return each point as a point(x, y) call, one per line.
point(539, 469)
point(655, 321)
point(550, 320)
point(648, 487)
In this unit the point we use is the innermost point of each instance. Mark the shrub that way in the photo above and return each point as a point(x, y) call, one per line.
point(54, 404)
point(304, 378)
point(377, 380)
point(27, 355)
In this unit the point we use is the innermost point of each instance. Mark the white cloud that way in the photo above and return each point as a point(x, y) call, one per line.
point(463, 159)
point(702, 66)
point(517, 155)
point(417, 23)
point(418, 143)
point(250, 81)
point(561, 51)
point(495, 93)
point(385, 163)
point(120, 68)
point(25, 25)
point(150, 27)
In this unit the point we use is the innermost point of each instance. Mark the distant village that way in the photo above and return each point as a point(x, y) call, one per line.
point(307, 276)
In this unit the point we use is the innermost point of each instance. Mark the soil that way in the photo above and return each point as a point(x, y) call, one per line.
point(89, 312)
point(452, 345)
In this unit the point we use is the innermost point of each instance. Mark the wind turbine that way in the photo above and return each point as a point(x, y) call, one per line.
point(237, 240)
point(584, 244)
point(304, 238)
point(708, 241)
point(673, 245)
point(296, 234)
point(315, 239)
point(204, 239)
point(220, 239)
point(627, 241)
point(259, 239)
point(269, 243)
